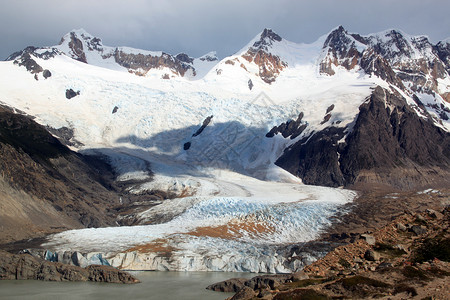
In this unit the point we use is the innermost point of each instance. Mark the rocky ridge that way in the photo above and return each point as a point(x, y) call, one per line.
point(82, 46)
point(270, 65)
point(383, 147)
point(392, 55)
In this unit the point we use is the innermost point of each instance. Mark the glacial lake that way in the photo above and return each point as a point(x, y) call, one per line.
point(154, 285)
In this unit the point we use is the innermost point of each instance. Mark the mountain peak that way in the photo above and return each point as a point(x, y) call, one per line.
point(78, 34)
point(81, 32)
point(337, 36)
point(78, 41)
point(266, 38)
point(270, 34)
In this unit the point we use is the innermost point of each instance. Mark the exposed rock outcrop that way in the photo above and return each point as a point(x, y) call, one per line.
point(29, 63)
point(70, 93)
point(205, 123)
point(270, 65)
point(142, 63)
point(292, 128)
point(25, 266)
point(385, 146)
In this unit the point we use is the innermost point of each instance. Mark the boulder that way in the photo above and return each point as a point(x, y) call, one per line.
point(102, 273)
point(267, 281)
point(418, 230)
point(232, 285)
point(401, 227)
point(300, 275)
point(47, 74)
point(371, 255)
point(370, 239)
point(434, 214)
point(265, 294)
point(244, 293)
point(420, 218)
point(70, 93)
point(358, 260)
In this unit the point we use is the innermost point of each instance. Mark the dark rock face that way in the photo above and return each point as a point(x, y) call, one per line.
point(209, 58)
point(250, 84)
point(147, 62)
point(29, 63)
point(244, 293)
point(290, 128)
point(443, 50)
point(76, 45)
point(70, 93)
point(315, 162)
point(266, 39)
point(187, 146)
point(47, 54)
point(386, 145)
point(330, 108)
point(47, 74)
point(101, 273)
point(341, 51)
point(205, 123)
point(375, 64)
point(65, 135)
point(184, 58)
point(25, 266)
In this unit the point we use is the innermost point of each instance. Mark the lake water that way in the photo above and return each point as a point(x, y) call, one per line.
point(154, 285)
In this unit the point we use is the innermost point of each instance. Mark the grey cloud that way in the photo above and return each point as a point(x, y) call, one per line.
point(199, 26)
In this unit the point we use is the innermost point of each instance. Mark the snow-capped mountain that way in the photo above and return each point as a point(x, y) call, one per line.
point(347, 110)
point(82, 46)
point(291, 92)
point(400, 59)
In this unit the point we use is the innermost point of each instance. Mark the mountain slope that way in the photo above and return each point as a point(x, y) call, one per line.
point(45, 186)
point(385, 147)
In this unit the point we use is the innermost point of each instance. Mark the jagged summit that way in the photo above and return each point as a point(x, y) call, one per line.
point(85, 47)
point(266, 38)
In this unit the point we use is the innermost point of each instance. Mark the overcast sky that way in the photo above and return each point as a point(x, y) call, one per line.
point(199, 26)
